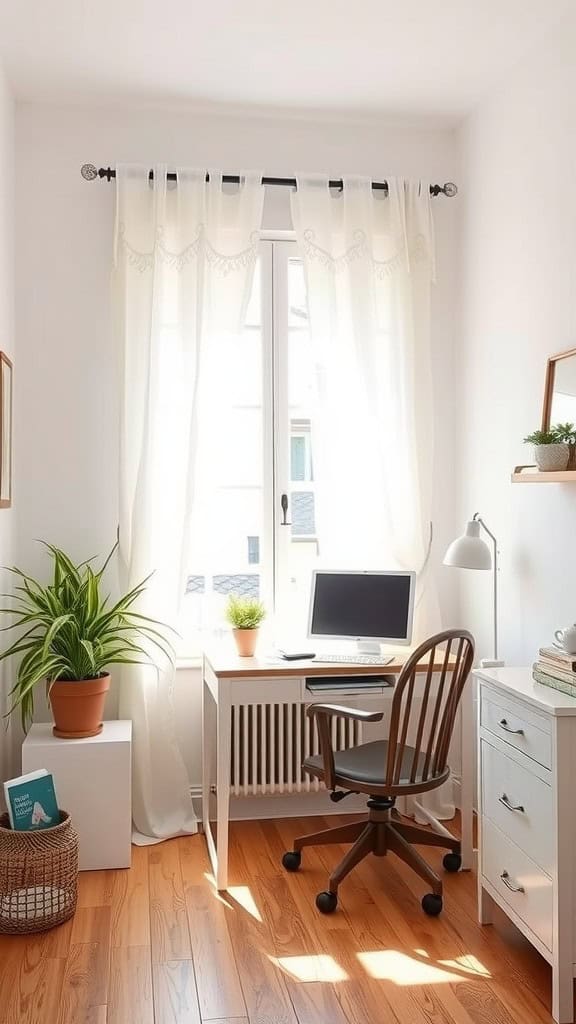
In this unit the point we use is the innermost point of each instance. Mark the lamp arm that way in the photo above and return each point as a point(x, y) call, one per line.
point(478, 518)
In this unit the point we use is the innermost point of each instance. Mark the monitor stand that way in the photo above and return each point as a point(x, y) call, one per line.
point(368, 647)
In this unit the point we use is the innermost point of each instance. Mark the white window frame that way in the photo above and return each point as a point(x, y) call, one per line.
point(282, 250)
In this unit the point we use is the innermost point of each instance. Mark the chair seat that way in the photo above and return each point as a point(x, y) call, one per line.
point(366, 764)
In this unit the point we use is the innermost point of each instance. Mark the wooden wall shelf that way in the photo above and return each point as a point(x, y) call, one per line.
point(531, 475)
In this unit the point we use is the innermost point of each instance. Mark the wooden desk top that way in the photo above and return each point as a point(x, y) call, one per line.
point(226, 664)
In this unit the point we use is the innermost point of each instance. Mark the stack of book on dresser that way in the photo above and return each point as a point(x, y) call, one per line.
point(556, 668)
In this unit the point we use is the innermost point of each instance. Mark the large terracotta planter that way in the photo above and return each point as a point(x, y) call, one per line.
point(78, 706)
point(246, 640)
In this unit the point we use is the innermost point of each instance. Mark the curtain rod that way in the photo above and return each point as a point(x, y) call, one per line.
point(89, 172)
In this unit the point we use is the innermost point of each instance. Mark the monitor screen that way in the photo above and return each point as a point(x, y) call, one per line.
point(363, 605)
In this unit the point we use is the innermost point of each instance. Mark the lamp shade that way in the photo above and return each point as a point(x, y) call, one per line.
point(469, 551)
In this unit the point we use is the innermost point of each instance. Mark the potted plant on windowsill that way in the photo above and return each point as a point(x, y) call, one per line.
point(245, 615)
point(551, 453)
point(70, 635)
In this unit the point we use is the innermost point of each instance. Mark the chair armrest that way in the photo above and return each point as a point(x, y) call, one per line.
point(322, 713)
point(335, 711)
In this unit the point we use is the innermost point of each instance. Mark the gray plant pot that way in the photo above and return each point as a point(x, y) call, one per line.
point(551, 458)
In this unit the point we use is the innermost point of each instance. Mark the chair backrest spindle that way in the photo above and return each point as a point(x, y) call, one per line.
point(413, 705)
point(422, 717)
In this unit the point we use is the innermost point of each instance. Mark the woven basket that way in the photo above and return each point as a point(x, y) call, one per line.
point(38, 876)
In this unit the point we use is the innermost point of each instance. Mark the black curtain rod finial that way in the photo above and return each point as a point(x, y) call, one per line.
point(89, 172)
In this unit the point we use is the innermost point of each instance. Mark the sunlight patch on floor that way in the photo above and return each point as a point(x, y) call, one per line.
point(390, 965)
point(238, 894)
point(241, 894)
point(220, 896)
point(468, 963)
point(317, 967)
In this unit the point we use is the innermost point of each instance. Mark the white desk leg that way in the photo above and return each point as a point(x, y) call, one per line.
point(467, 778)
point(223, 783)
point(207, 748)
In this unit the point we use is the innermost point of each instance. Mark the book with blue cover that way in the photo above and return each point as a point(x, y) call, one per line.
point(31, 801)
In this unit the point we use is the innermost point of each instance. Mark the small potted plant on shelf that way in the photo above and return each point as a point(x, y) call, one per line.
point(566, 433)
point(245, 615)
point(551, 452)
point(70, 634)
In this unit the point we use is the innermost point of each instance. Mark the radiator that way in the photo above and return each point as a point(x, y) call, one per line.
point(269, 743)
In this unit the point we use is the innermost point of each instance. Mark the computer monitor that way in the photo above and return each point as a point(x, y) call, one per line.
point(369, 607)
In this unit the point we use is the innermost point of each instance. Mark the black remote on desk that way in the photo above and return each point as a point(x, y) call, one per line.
point(296, 657)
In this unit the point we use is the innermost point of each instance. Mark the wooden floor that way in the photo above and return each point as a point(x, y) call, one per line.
point(158, 944)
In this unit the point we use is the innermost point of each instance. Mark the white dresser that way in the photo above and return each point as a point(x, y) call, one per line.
point(527, 808)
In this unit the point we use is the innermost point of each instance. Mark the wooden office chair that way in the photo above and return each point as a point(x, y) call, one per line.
point(423, 712)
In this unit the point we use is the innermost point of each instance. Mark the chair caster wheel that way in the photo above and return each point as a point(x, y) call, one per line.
point(327, 902)
point(291, 860)
point(431, 904)
point(452, 862)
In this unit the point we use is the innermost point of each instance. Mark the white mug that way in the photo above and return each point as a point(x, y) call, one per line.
point(567, 639)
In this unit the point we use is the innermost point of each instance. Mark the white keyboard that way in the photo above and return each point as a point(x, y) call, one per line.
point(353, 659)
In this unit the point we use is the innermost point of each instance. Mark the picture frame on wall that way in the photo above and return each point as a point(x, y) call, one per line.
point(5, 431)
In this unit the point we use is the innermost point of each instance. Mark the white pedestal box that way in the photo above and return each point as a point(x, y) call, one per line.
point(92, 778)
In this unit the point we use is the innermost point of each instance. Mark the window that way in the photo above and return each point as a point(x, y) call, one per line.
point(299, 457)
point(253, 550)
point(258, 445)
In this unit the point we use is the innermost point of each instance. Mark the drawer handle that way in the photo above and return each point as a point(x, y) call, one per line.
point(513, 888)
point(511, 807)
point(504, 725)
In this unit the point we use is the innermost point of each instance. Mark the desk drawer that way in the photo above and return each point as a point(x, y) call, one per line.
point(520, 883)
point(519, 803)
point(518, 726)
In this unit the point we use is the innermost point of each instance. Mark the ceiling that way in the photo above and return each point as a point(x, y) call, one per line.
point(417, 57)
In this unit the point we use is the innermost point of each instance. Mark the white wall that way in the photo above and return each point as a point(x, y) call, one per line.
point(67, 415)
point(518, 307)
point(7, 516)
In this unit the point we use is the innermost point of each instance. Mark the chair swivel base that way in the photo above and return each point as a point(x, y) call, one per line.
point(380, 835)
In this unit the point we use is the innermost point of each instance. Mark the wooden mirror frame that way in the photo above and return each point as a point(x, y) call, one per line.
point(549, 385)
point(6, 425)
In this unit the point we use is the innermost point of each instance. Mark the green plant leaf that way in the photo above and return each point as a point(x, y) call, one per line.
point(89, 648)
point(52, 632)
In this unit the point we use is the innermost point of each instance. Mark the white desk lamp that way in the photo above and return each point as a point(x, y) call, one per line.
point(471, 552)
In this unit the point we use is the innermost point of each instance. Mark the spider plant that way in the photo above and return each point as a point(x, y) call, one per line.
point(70, 631)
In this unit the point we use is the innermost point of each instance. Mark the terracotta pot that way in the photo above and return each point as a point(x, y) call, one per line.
point(78, 706)
point(246, 640)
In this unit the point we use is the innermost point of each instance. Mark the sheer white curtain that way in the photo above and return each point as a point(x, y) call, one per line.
point(369, 265)
point(184, 260)
point(11, 735)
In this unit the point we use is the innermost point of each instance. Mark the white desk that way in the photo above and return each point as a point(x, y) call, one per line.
point(245, 698)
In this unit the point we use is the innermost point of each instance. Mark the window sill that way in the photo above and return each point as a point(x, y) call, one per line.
point(191, 662)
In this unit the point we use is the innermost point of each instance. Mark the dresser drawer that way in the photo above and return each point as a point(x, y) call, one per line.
point(519, 803)
point(520, 883)
point(518, 726)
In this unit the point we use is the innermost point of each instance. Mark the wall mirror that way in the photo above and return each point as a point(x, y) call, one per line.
point(560, 390)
